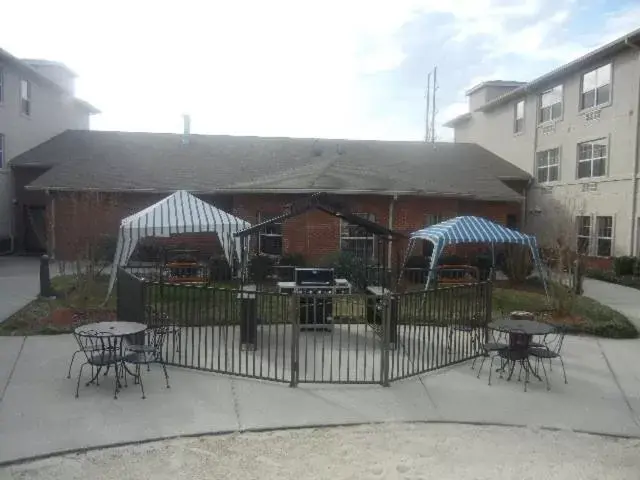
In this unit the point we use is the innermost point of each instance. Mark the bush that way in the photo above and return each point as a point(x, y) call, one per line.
point(483, 263)
point(292, 260)
point(624, 265)
point(518, 264)
point(260, 268)
point(349, 266)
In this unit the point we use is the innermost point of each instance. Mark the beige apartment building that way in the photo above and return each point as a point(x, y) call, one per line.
point(37, 102)
point(576, 131)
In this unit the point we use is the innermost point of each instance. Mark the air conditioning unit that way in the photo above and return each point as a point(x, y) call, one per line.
point(590, 187)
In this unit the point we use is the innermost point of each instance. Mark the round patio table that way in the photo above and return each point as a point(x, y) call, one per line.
point(119, 330)
point(521, 327)
point(520, 333)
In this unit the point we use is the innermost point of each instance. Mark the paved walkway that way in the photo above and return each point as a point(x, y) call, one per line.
point(623, 299)
point(39, 414)
point(19, 283)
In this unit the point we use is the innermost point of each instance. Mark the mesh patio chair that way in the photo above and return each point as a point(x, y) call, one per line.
point(157, 318)
point(101, 350)
point(516, 352)
point(550, 351)
point(544, 315)
point(86, 347)
point(471, 327)
point(150, 352)
point(494, 346)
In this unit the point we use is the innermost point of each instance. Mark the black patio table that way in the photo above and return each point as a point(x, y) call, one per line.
point(520, 332)
point(119, 331)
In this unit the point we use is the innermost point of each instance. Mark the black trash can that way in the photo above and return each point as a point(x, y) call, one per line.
point(248, 321)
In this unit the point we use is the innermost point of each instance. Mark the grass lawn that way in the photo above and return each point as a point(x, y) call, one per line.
point(206, 306)
point(585, 315)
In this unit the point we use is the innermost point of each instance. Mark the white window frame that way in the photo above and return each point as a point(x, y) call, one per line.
point(587, 236)
point(598, 85)
point(1, 84)
point(2, 151)
point(597, 236)
point(542, 106)
point(548, 166)
point(25, 100)
point(517, 130)
point(598, 141)
point(344, 228)
point(262, 234)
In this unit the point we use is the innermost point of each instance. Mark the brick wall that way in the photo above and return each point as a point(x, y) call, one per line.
point(315, 234)
point(76, 220)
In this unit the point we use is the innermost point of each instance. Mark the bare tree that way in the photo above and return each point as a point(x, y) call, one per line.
point(555, 225)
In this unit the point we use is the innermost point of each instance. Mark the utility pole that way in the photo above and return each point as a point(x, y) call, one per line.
point(433, 105)
point(427, 135)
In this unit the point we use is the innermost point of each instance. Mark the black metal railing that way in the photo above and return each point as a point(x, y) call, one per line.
point(351, 338)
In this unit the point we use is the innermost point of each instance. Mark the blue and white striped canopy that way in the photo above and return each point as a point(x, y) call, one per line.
point(467, 229)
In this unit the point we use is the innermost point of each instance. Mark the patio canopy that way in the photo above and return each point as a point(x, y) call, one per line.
point(180, 212)
point(468, 229)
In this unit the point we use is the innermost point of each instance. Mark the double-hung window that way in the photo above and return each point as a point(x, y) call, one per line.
point(518, 114)
point(550, 105)
point(583, 227)
point(548, 165)
point(356, 240)
point(25, 97)
point(596, 87)
point(592, 158)
point(270, 238)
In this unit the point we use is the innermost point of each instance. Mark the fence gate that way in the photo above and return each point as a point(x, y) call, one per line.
point(266, 335)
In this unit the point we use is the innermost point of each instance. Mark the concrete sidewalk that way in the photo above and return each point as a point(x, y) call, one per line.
point(39, 414)
point(623, 299)
point(19, 283)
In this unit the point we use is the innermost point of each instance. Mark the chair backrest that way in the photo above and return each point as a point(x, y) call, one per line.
point(91, 341)
point(156, 336)
point(555, 340)
point(518, 340)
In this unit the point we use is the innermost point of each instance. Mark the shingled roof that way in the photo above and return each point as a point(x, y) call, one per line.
point(117, 161)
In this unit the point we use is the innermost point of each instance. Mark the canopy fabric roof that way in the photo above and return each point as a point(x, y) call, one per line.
point(469, 229)
point(180, 212)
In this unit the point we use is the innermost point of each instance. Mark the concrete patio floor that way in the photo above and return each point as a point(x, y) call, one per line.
point(39, 414)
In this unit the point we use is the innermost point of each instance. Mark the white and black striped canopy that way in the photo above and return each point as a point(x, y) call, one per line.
point(180, 212)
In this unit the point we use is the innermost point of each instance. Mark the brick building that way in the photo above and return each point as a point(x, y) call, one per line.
point(88, 181)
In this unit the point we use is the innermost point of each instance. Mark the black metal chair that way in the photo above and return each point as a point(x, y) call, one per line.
point(494, 346)
point(156, 318)
point(550, 351)
point(471, 327)
point(150, 352)
point(516, 352)
point(86, 347)
point(101, 350)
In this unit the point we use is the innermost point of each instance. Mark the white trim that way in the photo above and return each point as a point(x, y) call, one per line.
point(540, 107)
point(581, 109)
point(372, 237)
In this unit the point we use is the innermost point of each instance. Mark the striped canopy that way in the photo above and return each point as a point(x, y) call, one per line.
point(469, 229)
point(180, 212)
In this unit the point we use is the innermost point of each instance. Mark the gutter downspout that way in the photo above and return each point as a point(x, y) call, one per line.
point(634, 180)
point(390, 245)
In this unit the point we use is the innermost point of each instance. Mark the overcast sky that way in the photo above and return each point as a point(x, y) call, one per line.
point(303, 68)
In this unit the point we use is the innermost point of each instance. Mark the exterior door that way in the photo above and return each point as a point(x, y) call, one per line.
point(35, 229)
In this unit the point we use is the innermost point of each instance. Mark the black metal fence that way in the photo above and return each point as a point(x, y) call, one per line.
point(351, 338)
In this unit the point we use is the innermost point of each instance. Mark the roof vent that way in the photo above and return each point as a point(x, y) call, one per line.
point(316, 149)
point(340, 149)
